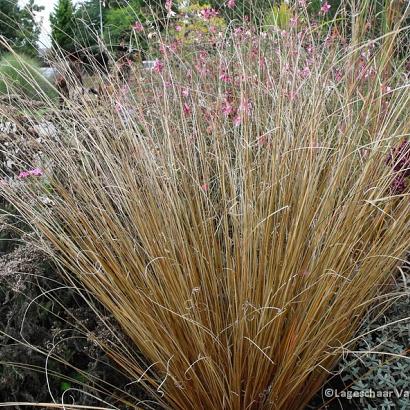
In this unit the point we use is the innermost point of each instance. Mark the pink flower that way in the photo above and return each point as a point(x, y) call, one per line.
point(202, 70)
point(185, 92)
point(178, 28)
point(174, 46)
point(338, 75)
point(302, 3)
point(24, 174)
point(294, 21)
point(325, 7)
point(164, 48)
point(305, 72)
point(225, 77)
point(158, 66)
point(205, 187)
point(231, 4)
point(187, 109)
point(36, 172)
point(291, 95)
point(227, 108)
point(245, 106)
point(203, 55)
point(238, 31)
point(385, 89)
point(118, 106)
point(237, 121)
point(207, 14)
point(168, 5)
point(138, 27)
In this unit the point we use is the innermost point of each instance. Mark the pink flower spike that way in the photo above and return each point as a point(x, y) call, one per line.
point(37, 172)
point(245, 106)
point(338, 75)
point(225, 77)
point(237, 121)
point(23, 174)
point(138, 27)
point(118, 106)
point(385, 89)
point(158, 66)
point(294, 21)
point(168, 5)
point(227, 108)
point(305, 72)
point(187, 109)
point(231, 4)
point(207, 14)
point(325, 7)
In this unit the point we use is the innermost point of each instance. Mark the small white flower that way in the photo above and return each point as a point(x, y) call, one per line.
point(46, 201)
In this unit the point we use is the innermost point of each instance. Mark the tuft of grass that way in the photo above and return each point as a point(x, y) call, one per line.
point(21, 75)
point(236, 214)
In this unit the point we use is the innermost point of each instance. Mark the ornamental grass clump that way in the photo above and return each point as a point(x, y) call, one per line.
point(233, 211)
point(22, 76)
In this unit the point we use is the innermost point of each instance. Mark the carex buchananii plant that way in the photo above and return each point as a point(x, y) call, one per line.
point(237, 208)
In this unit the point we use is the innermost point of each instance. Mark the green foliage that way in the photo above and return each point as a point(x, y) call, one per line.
point(19, 27)
point(62, 21)
point(278, 16)
point(119, 22)
point(65, 386)
point(8, 21)
point(29, 29)
point(21, 74)
point(156, 9)
point(50, 333)
point(191, 26)
point(388, 371)
point(87, 23)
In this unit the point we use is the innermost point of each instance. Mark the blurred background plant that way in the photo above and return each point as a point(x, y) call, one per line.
point(21, 75)
point(19, 27)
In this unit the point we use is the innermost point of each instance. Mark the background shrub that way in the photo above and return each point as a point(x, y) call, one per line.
point(381, 358)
